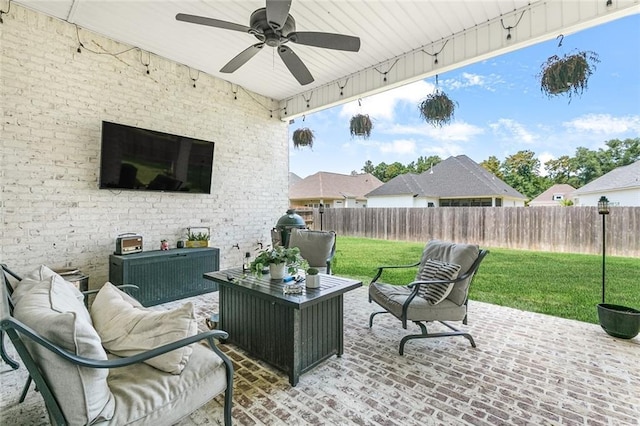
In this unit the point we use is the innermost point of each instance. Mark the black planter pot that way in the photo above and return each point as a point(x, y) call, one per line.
point(619, 321)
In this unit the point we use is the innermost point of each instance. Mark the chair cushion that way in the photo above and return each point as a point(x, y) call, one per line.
point(44, 273)
point(436, 270)
point(146, 395)
point(51, 308)
point(392, 297)
point(315, 246)
point(459, 254)
point(128, 328)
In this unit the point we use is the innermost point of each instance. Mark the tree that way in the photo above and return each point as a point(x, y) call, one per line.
point(562, 170)
point(521, 172)
point(493, 165)
point(368, 167)
point(425, 164)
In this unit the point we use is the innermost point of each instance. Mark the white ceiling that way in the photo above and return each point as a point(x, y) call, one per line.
point(398, 37)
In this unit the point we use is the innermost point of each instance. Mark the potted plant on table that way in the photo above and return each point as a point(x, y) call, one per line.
point(279, 260)
point(312, 278)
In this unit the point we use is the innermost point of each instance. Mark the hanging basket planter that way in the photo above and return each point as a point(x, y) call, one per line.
point(437, 109)
point(303, 137)
point(360, 125)
point(568, 75)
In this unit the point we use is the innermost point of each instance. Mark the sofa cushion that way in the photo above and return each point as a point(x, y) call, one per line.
point(436, 270)
point(459, 254)
point(51, 308)
point(128, 328)
point(147, 396)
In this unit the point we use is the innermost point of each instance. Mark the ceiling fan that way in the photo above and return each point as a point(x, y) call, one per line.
point(274, 27)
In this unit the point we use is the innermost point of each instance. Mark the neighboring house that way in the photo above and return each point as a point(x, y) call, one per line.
point(621, 186)
point(454, 182)
point(332, 190)
point(554, 196)
point(293, 179)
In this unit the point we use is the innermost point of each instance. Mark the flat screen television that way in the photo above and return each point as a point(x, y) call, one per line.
point(146, 160)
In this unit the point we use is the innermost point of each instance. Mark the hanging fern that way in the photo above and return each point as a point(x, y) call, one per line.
point(360, 125)
point(303, 137)
point(567, 75)
point(437, 109)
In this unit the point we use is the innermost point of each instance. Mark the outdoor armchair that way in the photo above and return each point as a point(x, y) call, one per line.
point(81, 383)
point(316, 247)
point(438, 293)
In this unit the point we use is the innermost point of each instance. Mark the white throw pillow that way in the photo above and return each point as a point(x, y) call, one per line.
point(436, 270)
point(44, 273)
point(50, 307)
point(128, 328)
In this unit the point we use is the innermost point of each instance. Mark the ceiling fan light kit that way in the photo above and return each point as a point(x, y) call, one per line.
point(274, 27)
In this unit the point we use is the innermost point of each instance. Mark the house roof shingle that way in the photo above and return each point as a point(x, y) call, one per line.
point(620, 178)
point(546, 198)
point(332, 186)
point(457, 176)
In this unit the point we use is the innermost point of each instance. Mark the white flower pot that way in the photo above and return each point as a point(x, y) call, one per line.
point(312, 281)
point(277, 270)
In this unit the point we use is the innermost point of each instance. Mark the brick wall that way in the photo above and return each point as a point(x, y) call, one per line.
point(53, 102)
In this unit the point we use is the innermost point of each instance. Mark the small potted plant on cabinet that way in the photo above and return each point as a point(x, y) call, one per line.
point(279, 260)
point(303, 137)
point(197, 239)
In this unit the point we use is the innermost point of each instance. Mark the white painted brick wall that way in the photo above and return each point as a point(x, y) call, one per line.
point(53, 103)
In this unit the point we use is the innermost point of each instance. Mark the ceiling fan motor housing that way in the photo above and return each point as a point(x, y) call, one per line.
point(265, 33)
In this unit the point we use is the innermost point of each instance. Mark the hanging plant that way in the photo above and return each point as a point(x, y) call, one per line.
point(360, 125)
point(303, 137)
point(437, 109)
point(567, 75)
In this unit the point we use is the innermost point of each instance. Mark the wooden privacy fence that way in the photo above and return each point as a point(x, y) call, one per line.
point(555, 229)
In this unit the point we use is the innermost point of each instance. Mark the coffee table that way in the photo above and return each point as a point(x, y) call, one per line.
point(292, 332)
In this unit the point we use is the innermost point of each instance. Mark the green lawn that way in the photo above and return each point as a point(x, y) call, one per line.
point(559, 284)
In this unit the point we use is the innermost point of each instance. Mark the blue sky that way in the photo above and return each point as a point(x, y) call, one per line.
point(501, 110)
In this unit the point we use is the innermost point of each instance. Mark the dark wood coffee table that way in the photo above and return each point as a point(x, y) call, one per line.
point(292, 332)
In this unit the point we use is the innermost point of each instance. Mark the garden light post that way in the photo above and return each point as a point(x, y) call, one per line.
point(603, 209)
point(321, 211)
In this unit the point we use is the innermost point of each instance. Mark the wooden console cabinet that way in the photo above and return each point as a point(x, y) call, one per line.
point(166, 275)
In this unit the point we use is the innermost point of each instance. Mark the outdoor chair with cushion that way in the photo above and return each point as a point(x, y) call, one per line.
point(438, 293)
point(316, 247)
point(120, 364)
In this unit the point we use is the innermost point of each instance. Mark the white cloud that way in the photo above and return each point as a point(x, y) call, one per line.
point(544, 158)
point(487, 82)
point(457, 131)
point(399, 146)
point(508, 129)
point(604, 124)
point(382, 106)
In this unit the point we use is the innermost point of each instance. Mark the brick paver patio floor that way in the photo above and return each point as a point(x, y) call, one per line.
point(528, 369)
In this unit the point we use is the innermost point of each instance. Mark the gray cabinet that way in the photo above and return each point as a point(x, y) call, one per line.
point(166, 275)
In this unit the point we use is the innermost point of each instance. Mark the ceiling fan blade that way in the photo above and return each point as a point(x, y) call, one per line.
point(277, 12)
point(326, 40)
point(242, 58)
point(295, 65)
point(210, 22)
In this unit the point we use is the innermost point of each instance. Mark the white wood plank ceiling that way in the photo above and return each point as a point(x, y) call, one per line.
point(398, 38)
